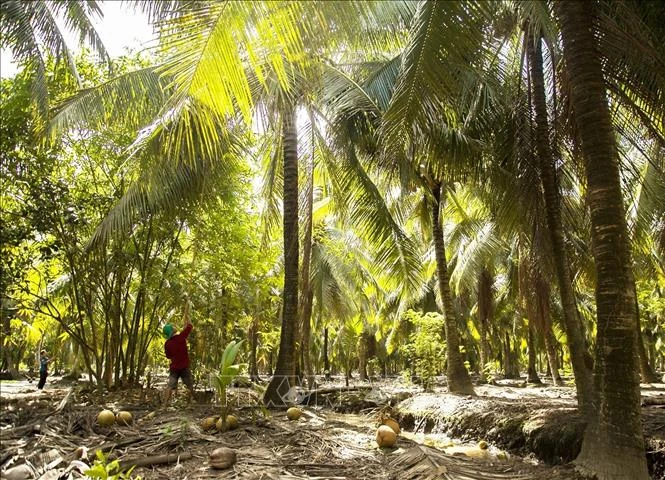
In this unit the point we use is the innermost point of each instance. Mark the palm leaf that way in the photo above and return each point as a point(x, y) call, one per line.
point(446, 42)
point(31, 32)
point(167, 182)
point(133, 99)
point(425, 463)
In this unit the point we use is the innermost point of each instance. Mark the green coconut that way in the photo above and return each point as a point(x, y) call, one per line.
point(223, 426)
point(106, 418)
point(232, 420)
point(208, 423)
point(124, 418)
point(293, 413)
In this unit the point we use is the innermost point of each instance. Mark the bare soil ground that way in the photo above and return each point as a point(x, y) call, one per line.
point(41, 432)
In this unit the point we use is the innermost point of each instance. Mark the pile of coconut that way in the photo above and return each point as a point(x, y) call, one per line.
point(386, 434)
point(106, 418)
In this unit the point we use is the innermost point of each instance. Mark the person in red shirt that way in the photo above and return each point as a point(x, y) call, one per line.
point(175, 348)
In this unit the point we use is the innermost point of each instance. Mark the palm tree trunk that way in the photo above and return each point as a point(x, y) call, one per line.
point(542, 292)
point(307, 295)
point(532, 372)
point(278, 389)
point(484, 315)
point(5, 341)
point(646, 371)
point(613, 445)
point(253, 346)
point(459, 380)
point(326, 360)
point(362, 357)
point(552, 359)
point(510, 366)
point(572, 324)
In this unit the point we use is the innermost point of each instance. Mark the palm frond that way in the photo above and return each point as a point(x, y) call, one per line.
point(31, 32)
point(210, 45)
point(271, 187)
point(78, 18)
point(446, 42)
point(132, 99)
point(425, 463)
point(207, 153)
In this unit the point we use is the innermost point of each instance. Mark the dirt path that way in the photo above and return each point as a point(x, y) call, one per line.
point(322, 444)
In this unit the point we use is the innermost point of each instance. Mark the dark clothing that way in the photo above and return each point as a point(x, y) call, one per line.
point(186, 376)
point(43, 371)
point(43, 364)
point(176, 350)
point(42, 379)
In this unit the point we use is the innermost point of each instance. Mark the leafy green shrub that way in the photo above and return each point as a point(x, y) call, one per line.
point(426, 347)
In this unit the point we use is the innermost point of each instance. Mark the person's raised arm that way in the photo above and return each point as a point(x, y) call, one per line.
point(185, 320)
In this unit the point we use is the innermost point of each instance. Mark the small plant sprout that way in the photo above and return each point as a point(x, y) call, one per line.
point(228, 371)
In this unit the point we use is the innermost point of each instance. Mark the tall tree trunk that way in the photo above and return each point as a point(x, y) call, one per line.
point(279, 389)
point(646, 371)
point(510, 366)
point(543, 311)
point(76, 362)
point(5, 340)
point(253, 346)
point(485, 282)
point(532, 373)
point(362, 357)
point(459, 380)
point(572, 324)
point(326, 360)
point(613, 445)
point(307, 295)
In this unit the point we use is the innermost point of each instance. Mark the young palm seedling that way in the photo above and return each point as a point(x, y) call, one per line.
point(227, 373)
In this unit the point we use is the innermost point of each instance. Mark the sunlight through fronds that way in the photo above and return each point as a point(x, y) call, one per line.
point(31, 31)
point(182, 162)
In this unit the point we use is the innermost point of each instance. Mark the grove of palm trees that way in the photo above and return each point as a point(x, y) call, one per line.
point(334, 239)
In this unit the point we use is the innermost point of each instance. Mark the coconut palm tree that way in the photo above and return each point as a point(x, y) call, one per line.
point(548, 178)
point(445, 51)
point(647, 229)
point(613, 446)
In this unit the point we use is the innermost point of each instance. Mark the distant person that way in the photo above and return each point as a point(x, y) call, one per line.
point(176, 351)
point(43, 369)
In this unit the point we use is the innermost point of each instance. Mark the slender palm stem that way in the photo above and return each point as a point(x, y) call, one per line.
point(283, 379)
point(572, 324)
point(459, 380)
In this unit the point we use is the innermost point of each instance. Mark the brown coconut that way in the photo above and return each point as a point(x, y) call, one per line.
point(106, 418)
point(124, 418)
point(386, 436)
point(222, 458)
point(392, 424)
point(293, 413)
